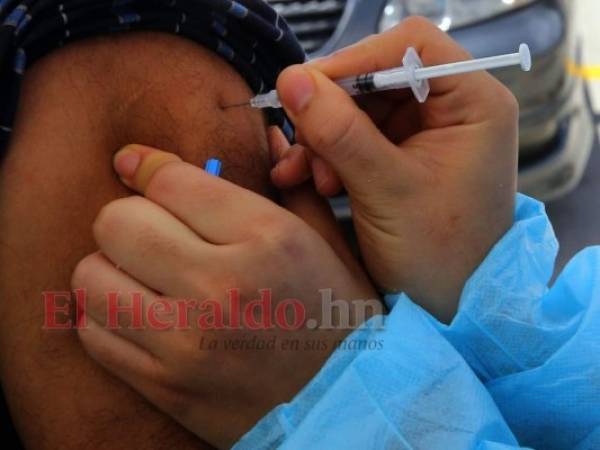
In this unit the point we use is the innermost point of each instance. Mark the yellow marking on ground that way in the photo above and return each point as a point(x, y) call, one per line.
point(587, 72)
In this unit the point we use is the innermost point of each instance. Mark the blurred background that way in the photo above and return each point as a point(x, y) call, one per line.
point(560, 99)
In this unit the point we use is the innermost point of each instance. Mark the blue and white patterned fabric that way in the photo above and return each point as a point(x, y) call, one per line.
point(247, 33)
point(518, 366)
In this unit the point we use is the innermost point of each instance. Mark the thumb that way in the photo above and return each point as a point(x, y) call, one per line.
point(137, 164)
point(337, 130)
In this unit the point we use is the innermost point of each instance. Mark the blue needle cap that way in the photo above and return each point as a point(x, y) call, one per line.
point(213, 166)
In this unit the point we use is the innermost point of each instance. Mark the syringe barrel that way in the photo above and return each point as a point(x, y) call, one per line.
point(392, 79)
point(396, 78)
point(375, 82)
point(362, 84)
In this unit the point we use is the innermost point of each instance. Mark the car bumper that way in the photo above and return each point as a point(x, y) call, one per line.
point(560, 168)
point(556, 128)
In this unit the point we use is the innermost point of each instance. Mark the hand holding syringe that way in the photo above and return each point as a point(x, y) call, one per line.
point(412, 74)
point(431, 185)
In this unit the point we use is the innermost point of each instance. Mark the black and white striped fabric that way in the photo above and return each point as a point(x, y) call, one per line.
point(247, 33)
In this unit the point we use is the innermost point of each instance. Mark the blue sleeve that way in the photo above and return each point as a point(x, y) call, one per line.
point(394, 383)
point(537, 349)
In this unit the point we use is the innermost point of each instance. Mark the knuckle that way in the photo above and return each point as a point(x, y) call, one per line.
point(283, 227)
point(289, 241)
point(164, 181)
point(268, 222)
point(112, 217)
point(372, 55)
point(436, 46)
point(84, 269)
point(417, 24)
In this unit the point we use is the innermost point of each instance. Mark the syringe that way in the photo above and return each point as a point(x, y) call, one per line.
point(411, 74)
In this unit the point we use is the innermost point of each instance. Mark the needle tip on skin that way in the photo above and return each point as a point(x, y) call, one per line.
point(236, 105)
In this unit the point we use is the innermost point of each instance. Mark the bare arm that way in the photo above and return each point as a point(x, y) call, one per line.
point(80, 105)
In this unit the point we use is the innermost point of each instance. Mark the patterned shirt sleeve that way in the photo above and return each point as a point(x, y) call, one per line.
point(248, 34)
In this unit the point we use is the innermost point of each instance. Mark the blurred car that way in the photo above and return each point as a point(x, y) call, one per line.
point(556, 131)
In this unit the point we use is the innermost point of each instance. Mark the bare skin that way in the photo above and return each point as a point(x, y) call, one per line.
point(79, 105)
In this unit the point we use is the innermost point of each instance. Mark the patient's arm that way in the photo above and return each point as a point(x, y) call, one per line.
point(79, 106)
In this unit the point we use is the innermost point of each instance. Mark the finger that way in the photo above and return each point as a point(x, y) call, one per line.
point(292, 163)
point(293, 169)
point(299, 137)
point(127, 361)
point(122, 305)
point(153, 246)
point(278, 143)
point(327, 183)
point(214, 208)
point(136, 167)
point(337, 130)
point(315, 211)
point(119, 355)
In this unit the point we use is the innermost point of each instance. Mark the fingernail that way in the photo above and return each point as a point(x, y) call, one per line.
point(298, 89)
point(320, 173)
point(282, 167)
point(282, 164)
point(126, 162)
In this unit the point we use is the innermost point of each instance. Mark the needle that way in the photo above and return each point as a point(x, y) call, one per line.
point(237, 105)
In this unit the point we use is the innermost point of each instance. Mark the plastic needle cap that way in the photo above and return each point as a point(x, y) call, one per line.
point(213, 167)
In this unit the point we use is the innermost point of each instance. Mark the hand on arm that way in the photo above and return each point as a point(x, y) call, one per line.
point(196, 236)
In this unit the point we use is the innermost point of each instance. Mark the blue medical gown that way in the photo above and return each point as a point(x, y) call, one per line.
point(518, 366)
